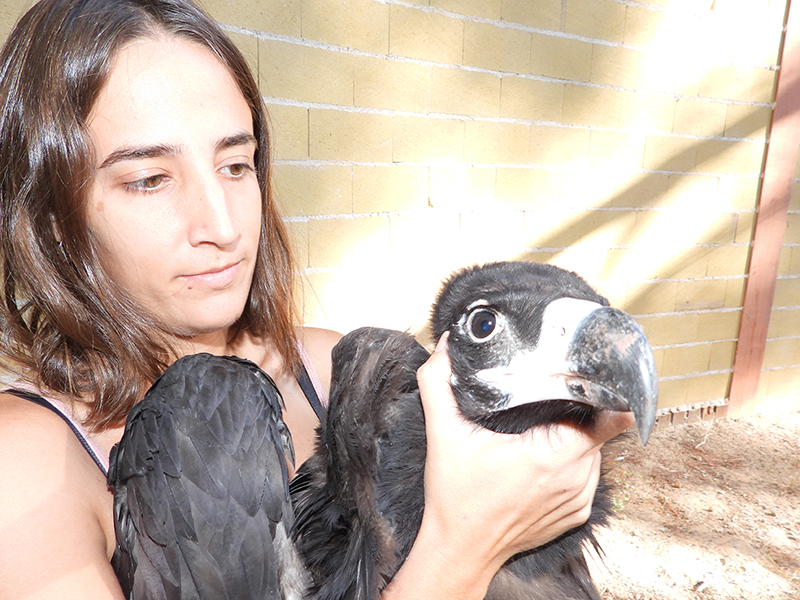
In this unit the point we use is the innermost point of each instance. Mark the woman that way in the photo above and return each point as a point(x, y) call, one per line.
point(139, 227)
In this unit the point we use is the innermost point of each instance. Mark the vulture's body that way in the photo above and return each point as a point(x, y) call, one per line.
point(530, 345)
point(200, 486)
point(202, 504)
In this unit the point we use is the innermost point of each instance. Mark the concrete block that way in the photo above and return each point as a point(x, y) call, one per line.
point(787, 292)
point(784, 261)
point(616, 149)
point(784, 322)
point(524, 188)
point(359, 24)
point(391, 84)
point(745, 227)
point(727, 261)
point(531, 99)
point(792, 233)
point(593, 107)
point(425, 35)
point(782, 352)
point(296, 72)
point(349, 136)
point(670, 329)
point(337, 242)
point(745, 120)
point(314, 297)
point(644, 190)
point(651, 297)
point(457, 92)
point(461, 187)
point(552, 145)
point(282, 17)
point(389, 188)
point(684, 360)
point(485, 9)
point(672, 393)
point(784, 382)
point(643, 25)
point(699, 117)
point(298, 240)
point(701, 294)
point(427, 138)
point(738, 157)
point(599, 19)
point(664, 153)
point(718, 326)
point(563, 58)
point(707, 388)
point(488, 46)
point(314, 189)
point(647, 112)
point(730, 82)
point(542, 14)
point(496, 142)
point(722, 354)
point(619, 67)
point(289, 128)
point(734, 295)
point(739, 193)
point(722, 230)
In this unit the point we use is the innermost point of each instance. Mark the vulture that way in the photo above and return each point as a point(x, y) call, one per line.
point(530, 345)
point(202, 504)
point(200, 482)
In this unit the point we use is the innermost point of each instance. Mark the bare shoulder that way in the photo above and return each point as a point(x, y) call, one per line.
point(318, 344)
point(55, 509)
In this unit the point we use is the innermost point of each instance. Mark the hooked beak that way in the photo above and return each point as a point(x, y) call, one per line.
point(586, 353)
point(611, 366)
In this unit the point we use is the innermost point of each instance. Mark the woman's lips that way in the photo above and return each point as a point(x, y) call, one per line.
point(216, 279)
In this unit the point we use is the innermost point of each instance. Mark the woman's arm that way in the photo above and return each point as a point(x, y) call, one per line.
point(55, 511)
point(489, 495)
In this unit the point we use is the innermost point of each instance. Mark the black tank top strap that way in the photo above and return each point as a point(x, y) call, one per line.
point(304, 379)
point(42, 401)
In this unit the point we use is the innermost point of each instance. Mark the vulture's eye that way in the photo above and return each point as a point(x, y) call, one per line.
point(482, 324)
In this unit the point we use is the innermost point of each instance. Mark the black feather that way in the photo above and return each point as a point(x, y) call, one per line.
point(200, 487)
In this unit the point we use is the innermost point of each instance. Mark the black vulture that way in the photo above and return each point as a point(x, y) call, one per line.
point(200, 486)
point(530, 345)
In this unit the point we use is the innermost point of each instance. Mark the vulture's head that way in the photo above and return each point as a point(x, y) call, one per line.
point(532, 344)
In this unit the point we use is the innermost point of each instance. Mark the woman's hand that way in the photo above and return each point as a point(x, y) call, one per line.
point(490, 495)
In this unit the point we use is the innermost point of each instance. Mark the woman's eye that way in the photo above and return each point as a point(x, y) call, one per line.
point(482, 323)
point(239, 169)
point(147, 184)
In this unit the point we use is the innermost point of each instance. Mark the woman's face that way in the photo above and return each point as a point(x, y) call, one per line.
point(175, 203)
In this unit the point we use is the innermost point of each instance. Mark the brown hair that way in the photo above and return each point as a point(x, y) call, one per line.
point(64, 320)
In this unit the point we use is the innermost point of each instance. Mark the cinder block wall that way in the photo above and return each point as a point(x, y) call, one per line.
point(619, 139)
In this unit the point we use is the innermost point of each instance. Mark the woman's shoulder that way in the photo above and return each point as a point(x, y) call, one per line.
point(38, 449)
point(317, 344)
point(54, 502)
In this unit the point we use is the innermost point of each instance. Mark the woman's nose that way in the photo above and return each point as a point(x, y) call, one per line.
point(210, 214)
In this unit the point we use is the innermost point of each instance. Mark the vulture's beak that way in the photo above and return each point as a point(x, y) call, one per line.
point(586, 353)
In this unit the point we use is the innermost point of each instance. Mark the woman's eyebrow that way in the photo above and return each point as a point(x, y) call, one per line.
point(239, 139)
point(140, 152)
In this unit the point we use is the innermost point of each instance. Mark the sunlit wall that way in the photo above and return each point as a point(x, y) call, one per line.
point(622, 140)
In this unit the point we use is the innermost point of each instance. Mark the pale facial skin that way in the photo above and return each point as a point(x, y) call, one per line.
point(175, 203)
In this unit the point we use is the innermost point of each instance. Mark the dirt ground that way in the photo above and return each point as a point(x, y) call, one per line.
point(705, 511)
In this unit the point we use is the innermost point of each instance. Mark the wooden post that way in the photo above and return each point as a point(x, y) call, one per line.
point(771, 219)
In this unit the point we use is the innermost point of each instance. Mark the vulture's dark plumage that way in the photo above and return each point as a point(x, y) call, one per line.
point(200, 488)
point(201, 498)
point(530, 345)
